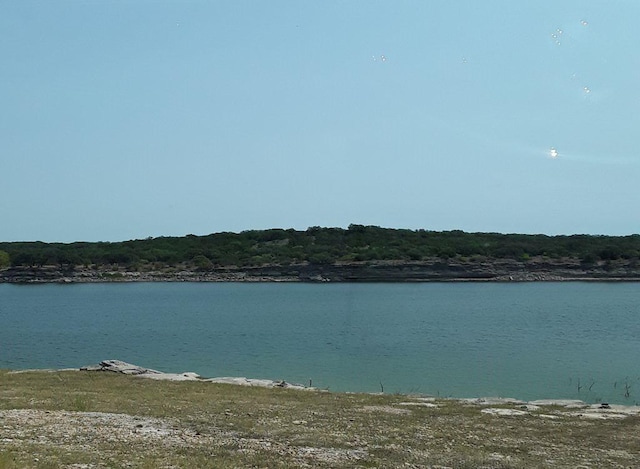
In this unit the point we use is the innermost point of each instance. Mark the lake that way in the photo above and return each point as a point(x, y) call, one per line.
point(522, 340)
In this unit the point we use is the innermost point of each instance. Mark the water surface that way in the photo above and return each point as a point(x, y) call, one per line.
point(530, 340)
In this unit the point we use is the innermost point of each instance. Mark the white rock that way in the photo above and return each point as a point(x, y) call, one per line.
point(568, 403)
point(491, 401)
point(503, 412)
point(418, 404)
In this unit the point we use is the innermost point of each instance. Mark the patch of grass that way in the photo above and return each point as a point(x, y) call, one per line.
point(8, 459)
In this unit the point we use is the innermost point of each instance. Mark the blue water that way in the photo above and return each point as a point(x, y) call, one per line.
point(529, 340)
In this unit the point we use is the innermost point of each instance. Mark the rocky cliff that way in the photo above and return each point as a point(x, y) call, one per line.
point(538, 269)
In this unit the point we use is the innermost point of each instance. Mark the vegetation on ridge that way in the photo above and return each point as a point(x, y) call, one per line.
point(318, 245)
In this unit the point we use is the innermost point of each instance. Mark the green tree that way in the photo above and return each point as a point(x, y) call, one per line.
point(202, 262)
point(5, 260)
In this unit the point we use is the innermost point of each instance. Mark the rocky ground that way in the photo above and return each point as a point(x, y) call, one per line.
point(96, 433)
point(95, 419)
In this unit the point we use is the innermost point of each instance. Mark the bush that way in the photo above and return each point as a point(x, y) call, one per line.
point(5, 259)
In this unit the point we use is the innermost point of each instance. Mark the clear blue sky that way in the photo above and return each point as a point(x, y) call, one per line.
point(127, 119)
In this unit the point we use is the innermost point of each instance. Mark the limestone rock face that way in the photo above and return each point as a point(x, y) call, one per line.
point(536, 269)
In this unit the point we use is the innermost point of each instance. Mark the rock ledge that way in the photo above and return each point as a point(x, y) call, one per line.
point(118, 366)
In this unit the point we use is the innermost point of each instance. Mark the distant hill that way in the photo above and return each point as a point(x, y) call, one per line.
point(319, 250)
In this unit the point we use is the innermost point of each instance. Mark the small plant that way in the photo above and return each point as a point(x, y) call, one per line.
point(112, 275)
point(7, 460)
point(80, 404)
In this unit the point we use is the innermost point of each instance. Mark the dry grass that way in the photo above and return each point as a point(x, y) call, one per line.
point(94, 420)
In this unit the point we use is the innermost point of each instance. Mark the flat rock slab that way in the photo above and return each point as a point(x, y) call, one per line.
point(266, 383)
point(118, 366)
point(568, 403)
point(187, 376)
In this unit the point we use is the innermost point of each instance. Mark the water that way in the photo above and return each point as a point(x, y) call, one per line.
point(529, 341)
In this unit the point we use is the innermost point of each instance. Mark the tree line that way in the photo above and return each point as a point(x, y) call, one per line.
point(316, 245)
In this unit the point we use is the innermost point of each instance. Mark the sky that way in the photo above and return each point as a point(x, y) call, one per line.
point(123, 120)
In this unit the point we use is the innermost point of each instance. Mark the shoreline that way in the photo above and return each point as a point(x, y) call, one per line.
point(436, 270)
point(580, 408)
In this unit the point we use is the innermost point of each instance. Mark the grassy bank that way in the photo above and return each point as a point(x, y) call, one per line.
point(91, 420)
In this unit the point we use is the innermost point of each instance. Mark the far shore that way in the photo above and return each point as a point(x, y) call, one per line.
point(434, 270)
